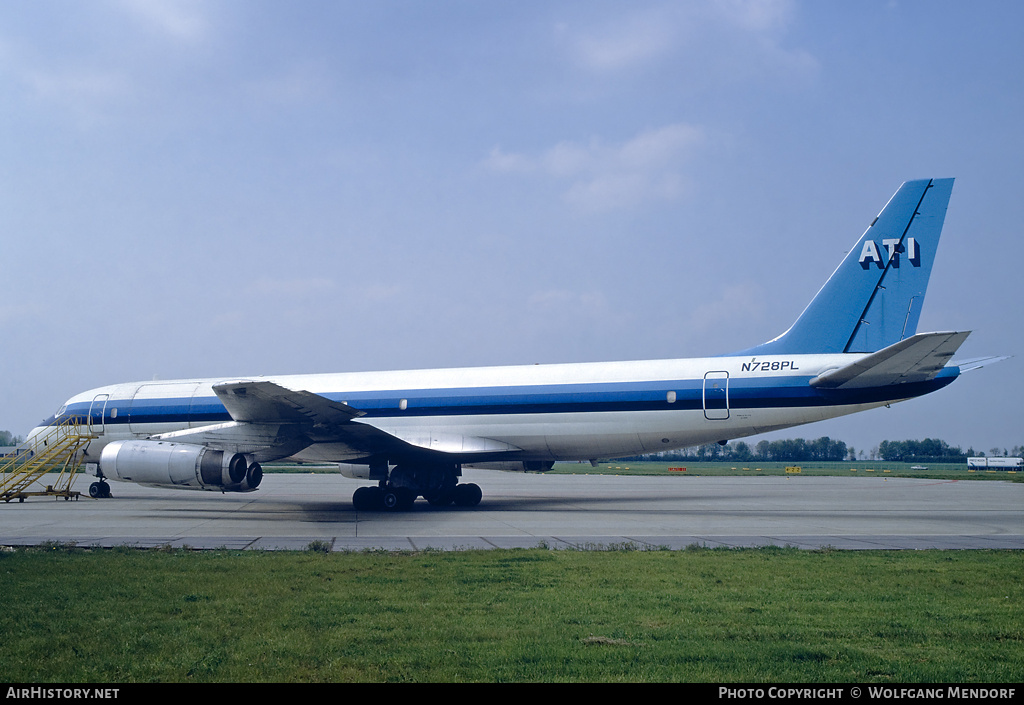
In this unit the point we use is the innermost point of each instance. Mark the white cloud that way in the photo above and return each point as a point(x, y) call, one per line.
point(591, 303)
point(572, 315)
point(625, 44)
point(294, 287)
point(289, 84)
point(76, 87)
point(756, 15)
point(707, 43)
point(624, 190)
point(178, 19)
point(737, 302)
point(499, 160)
point(602, 176)
point(378, 293)
point(110, 65)
point(17, 312)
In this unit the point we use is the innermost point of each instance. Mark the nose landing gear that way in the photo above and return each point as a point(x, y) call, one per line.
point(100, 490)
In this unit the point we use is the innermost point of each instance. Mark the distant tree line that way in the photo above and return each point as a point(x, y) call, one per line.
point(787, 450)
point(930, 450)
point(933, 450)
point(9, 439)
point(799, 450)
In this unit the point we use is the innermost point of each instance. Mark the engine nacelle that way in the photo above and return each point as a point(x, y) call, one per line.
point(179, 465)
point(354, 472)
point(514, 465)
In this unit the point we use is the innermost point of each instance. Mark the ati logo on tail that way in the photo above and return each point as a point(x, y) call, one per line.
point(870, 253)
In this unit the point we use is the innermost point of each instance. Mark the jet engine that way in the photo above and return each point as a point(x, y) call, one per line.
point(180, 465)
point(514, 465)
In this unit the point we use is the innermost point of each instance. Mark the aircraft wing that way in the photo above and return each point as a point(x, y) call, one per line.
point(915, 359)
point(267, 402)
point(275, 422)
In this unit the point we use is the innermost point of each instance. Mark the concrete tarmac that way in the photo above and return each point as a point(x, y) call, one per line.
point(290, 511)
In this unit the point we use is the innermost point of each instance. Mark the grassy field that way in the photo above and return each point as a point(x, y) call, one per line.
point(754, 468)
point(767, 615)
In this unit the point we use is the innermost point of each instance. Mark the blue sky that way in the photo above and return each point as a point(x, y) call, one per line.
point(231, 187)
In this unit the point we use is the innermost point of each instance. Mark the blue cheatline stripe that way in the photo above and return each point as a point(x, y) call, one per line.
point(744, 393)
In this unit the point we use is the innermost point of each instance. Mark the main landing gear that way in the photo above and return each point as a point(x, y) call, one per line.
point(388, 497)
point(398, 487)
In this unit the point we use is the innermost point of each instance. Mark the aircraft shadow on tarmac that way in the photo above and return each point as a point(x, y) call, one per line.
point(266, 508)
point(327, 510)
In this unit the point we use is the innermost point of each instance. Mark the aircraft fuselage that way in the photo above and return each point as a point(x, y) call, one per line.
point(551, 412)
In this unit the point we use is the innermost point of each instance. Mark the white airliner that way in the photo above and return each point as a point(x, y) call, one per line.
point(855, 347)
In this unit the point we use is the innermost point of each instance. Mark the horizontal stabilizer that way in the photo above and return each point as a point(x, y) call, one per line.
point(916, 359)
point(976, 363)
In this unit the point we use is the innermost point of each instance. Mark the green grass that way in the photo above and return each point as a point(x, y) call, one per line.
point(768, 615)
point(754, 468)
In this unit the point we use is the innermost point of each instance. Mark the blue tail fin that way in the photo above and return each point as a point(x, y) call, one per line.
point(874, 297)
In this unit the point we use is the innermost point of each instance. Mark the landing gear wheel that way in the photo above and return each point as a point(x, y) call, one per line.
point(367, 498)
point(468, 495)
point(441, 499)
point(390, 499)
point(99, 490)
point(398, 499)
point(408, 498)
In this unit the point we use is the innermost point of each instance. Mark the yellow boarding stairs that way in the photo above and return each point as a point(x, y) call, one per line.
point(55, 451)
